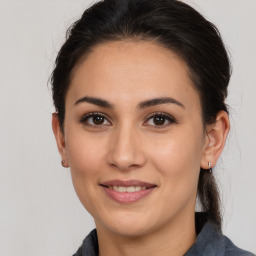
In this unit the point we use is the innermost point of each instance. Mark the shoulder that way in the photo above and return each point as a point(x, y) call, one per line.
point(89, 246)
point(211, 242)
point(231, 249)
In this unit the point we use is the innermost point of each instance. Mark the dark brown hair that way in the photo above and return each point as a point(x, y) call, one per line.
point(172, 24)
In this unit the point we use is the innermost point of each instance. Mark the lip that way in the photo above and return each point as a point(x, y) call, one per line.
point(127, 183)
point(127, 197)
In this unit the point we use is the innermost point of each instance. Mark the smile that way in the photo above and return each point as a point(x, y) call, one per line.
point(127, 191)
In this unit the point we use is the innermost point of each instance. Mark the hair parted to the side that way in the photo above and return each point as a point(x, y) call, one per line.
point(171, 24)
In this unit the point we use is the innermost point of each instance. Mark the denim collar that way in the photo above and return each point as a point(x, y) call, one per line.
point(210, 241)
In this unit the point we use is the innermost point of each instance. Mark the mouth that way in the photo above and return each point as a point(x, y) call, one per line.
point(127, 191)
point(127, 186)
point(130, 189)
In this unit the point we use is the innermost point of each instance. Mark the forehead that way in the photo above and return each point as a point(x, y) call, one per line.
point(125, 70)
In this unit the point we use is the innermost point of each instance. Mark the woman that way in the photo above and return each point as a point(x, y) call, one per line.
point(139, 89)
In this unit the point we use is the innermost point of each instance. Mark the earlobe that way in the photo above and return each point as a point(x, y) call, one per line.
point(59, 136)
point(216, 136)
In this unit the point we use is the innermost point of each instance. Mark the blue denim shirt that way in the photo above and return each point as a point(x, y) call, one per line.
point(210, 242)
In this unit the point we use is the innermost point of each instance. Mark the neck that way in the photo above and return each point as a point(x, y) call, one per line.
point(172, 239)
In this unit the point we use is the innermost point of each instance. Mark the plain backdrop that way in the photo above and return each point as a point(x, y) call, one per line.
point(39, 211)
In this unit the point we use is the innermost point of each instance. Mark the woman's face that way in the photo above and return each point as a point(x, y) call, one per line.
point(134, 137)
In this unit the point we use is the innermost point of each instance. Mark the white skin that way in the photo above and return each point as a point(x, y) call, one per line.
point(128, 143)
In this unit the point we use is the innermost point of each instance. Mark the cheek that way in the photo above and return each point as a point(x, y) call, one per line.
point(83, 156)
point(85, 160)
point(178, 150)
point(178, 157)
point(84, 150)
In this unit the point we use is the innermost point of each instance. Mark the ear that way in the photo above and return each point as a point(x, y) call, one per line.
point(60, 139)
point(215, 139)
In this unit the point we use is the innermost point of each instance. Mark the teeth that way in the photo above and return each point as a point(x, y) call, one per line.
point(128, 189)
point(137, 188)
point(121, 189)
point(115, 188)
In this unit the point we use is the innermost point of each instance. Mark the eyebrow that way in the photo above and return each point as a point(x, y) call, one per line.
point(159, 101)
point(95, 101)
point(145, 104)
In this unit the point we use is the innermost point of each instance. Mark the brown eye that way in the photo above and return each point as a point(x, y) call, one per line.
point(159, 120)
point(95, 119)
point(98, 120)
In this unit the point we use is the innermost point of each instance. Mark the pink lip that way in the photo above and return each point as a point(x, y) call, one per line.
point(127, 197)
point(127, 183)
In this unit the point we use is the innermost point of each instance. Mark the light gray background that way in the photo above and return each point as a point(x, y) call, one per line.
point(39, 211)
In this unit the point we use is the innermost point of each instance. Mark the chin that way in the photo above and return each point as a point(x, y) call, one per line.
point(130, 230)
point(129, 224)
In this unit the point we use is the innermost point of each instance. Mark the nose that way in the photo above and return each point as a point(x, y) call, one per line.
point(126, 149)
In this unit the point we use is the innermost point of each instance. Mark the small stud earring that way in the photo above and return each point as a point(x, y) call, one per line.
point(210, 167)
point(63, 164)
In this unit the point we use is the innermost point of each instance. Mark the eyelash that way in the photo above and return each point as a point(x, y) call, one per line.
point(167, 117)
point(86, 117)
